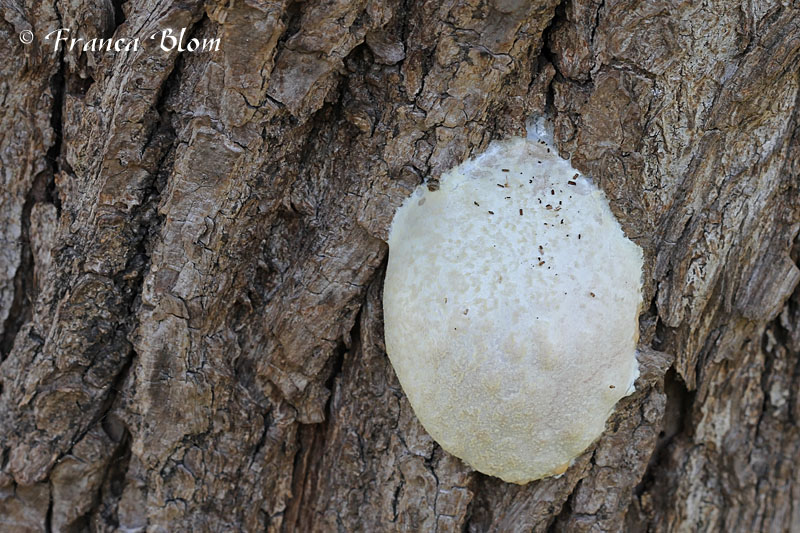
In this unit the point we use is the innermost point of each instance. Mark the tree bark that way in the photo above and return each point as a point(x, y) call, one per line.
point(193, 246)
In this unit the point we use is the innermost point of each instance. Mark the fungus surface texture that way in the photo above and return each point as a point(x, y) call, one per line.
point(511, 306)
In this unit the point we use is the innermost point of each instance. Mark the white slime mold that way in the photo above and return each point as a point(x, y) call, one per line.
point(511, 303)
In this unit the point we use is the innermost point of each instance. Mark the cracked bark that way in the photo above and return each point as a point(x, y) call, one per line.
point(193, 249)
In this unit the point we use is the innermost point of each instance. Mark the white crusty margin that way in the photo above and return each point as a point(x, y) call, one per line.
point(511, 306)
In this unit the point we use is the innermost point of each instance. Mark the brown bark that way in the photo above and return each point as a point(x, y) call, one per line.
point(193, 248)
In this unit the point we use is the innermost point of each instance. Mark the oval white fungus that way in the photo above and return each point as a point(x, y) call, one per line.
point(511, 306)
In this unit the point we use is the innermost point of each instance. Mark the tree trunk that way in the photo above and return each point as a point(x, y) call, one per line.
point(193, 246)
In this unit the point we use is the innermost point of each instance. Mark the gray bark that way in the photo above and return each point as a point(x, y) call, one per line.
point(193, 249)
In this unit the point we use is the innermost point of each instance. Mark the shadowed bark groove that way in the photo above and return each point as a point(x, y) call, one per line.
point(193, 249)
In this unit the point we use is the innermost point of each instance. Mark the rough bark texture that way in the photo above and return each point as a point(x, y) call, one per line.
point(192, 251)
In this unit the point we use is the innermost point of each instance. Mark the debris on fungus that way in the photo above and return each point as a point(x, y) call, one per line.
point(523, 382)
